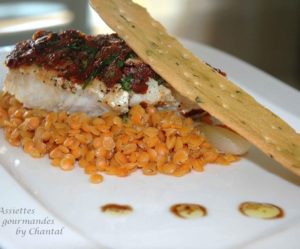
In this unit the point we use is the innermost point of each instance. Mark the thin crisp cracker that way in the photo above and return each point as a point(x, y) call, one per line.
point(197, 81)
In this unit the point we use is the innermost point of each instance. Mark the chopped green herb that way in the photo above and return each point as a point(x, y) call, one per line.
point(161, 81)
point(149, 52)
point(110, 60)
point(154, 44)
point(198, 100)
point(123, 17)
point(93, 52)
point(131, 55)
point(126, 82)
point(89, 79)
point(125, 117)
point(84, 64)
point(88, 49)
point(120, 64)
point(52, 43)
point(75, 46)
point(111, 74)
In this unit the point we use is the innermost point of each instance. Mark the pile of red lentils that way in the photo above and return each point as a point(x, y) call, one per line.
point(146, 139)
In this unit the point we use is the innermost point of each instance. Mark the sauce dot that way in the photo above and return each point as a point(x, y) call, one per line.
point(188, 211)
point(116, 209)
point(261, 210)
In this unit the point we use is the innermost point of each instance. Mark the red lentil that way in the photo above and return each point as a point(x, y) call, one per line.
point(150, 140)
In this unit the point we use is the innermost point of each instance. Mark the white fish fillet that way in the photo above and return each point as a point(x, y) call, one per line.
point(37, 87)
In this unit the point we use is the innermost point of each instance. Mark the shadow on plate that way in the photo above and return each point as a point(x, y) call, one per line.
point(268, 164)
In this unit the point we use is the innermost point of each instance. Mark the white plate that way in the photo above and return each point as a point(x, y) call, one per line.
point(69, 199)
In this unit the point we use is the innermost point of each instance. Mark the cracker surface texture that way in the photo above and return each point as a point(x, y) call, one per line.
point(195, 80)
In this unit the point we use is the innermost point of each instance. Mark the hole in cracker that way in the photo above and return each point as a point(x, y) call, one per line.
point(186, 74)
point(267, 139)
point(185, 56)
point(222, 86)
point(119, 27)
point(274, 127)
point(154, 24)
point(225, 105)
point(197, 83)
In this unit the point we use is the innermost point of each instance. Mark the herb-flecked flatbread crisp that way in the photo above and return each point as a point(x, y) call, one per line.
point(197, 81)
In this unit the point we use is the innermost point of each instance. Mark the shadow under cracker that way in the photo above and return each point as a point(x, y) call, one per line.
point(271, 166)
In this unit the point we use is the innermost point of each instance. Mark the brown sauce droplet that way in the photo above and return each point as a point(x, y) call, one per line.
point(261, 210)
point(116, 209)
point(188, 211)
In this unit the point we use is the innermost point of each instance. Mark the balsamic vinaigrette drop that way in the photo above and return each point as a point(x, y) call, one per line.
point(188, 211)
point(261, 210)
point(116, 209)
point(257, 210)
